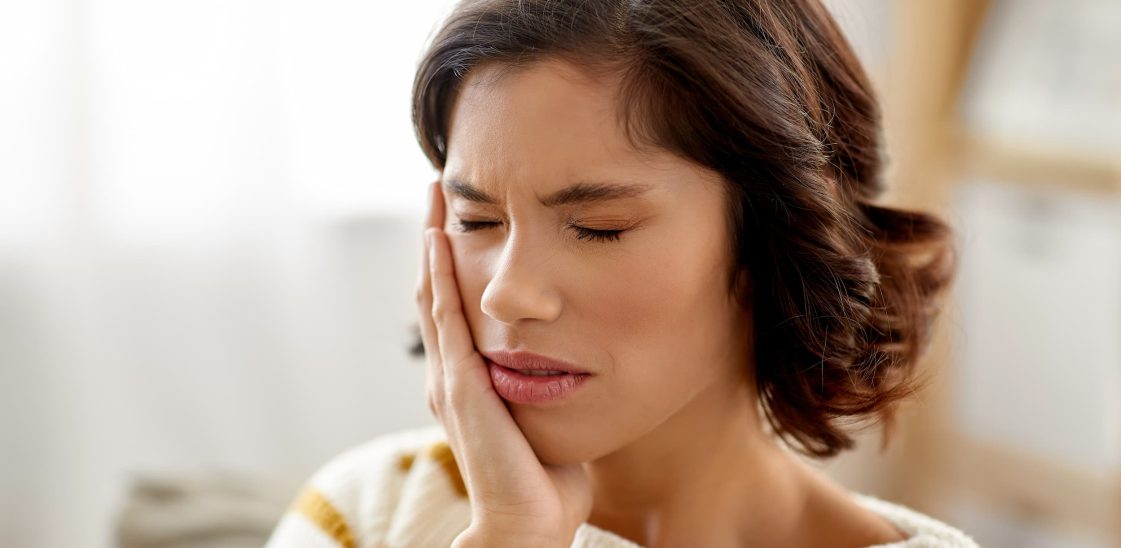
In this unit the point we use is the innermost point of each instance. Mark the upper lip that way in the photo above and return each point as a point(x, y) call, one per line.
point(529, 361)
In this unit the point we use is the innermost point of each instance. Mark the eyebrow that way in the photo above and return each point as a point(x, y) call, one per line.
point(578, 193)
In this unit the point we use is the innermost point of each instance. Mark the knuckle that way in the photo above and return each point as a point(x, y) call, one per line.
point(435, 403)
point(441, 312)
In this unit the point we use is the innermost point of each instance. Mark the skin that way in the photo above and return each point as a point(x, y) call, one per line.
point(663, 444)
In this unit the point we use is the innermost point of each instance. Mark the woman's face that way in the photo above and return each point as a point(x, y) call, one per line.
point(647, 313)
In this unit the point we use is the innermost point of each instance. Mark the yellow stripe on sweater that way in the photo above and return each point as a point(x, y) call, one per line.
point(441, 452)
point(316, 508)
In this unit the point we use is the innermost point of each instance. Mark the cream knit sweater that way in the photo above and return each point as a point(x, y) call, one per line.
point(404, 490)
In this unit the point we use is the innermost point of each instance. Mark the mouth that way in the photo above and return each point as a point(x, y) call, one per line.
point(534, 386)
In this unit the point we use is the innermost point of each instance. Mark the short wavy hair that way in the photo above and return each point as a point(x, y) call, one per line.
point(769, 94)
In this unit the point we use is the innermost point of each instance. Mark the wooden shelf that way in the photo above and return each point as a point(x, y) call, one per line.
point(1038, 164)
point(1039, 490)
point(936, 466)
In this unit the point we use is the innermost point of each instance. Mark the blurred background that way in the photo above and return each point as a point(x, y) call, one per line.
point(210, 226)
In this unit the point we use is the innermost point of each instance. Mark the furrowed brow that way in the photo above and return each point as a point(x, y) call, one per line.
point(579, 193)
point(463, 189)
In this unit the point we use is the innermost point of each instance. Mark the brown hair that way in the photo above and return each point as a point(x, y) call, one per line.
point(769, 94)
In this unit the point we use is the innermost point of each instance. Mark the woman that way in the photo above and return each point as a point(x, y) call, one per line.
point(652, 269)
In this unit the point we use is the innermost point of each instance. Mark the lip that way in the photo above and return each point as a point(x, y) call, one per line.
point(521, 360)
point(517, 387)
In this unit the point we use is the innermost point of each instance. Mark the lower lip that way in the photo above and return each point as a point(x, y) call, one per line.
point(516, 387)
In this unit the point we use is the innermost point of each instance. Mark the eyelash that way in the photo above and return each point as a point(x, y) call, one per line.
point(582, 233)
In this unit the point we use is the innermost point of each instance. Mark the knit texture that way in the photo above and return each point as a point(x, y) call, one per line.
point(404, 490)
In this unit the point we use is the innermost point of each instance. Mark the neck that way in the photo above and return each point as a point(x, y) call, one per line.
point(709, 468)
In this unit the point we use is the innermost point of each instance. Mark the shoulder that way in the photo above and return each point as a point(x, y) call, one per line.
point(922, 531)
point(383, 491)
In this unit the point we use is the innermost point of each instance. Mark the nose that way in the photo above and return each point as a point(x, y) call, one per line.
point(522, 287)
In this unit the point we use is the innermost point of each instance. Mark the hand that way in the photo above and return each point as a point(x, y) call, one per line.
point(513, 495)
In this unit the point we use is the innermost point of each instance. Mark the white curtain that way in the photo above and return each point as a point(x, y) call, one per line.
point(209, 229)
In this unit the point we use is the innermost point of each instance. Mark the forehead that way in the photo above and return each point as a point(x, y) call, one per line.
point(549, 116)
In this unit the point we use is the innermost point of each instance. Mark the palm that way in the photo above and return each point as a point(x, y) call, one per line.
point(520, 484)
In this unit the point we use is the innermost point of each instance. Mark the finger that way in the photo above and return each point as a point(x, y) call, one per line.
point(434, 369)
point(423, 283)
point(434, 374)
point(437, 210)
point(452, 333)
point(434, 218)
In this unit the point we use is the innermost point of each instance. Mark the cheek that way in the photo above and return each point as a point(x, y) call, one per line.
point(629, 300)
point(662, 321)
point(661, 299)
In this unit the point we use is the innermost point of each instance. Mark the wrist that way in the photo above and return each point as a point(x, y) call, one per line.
point(482, 538)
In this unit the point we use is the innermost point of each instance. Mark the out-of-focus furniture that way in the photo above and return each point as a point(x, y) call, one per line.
point(201, 510)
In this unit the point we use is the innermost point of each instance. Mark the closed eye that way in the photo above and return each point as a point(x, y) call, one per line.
point(582, 233)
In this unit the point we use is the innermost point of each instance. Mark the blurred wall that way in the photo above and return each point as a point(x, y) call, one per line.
point(209, 234)
point(209, 229)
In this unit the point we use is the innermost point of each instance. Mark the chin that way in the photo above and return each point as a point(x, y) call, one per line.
point(561, 443)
